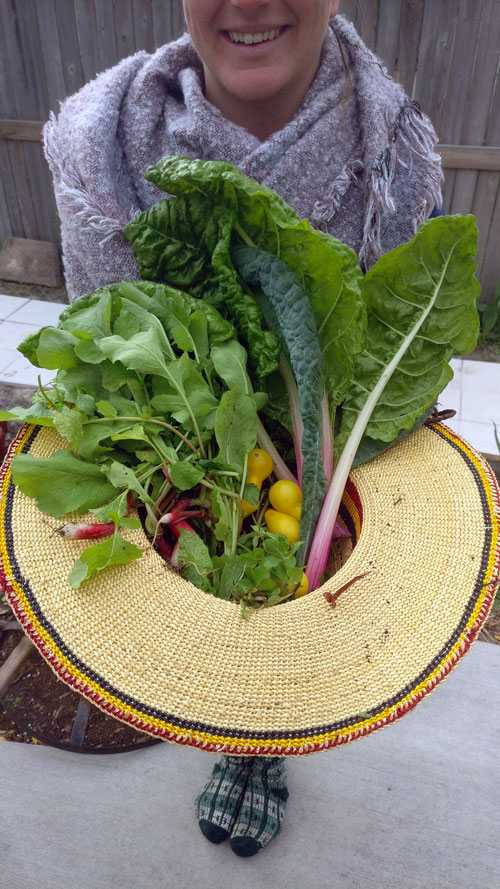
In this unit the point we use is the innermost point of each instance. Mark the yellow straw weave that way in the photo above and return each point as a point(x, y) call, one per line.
point(151, 649)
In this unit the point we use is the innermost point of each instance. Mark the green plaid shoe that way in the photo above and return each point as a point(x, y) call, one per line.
point(218, 804)
point(263, 808)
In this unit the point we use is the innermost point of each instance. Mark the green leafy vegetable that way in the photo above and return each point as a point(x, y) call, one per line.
point(236, 427)
point(61, 483)
point(114, 550)
point(283, 302)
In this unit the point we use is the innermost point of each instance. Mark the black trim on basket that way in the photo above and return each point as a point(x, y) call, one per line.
point(258, 735)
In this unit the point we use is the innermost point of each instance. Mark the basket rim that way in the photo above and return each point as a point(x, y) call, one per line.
point(216, 738)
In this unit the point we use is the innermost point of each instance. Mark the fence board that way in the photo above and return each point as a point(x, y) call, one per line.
point(387, 40)
point(487, 193)
point(7, 109)
point(178, 24)
point(443, 52)
point(162, 22)
point(490, 273)
point(10, 189)
point(461, 66)
point(348, 8)
point(483, 208)
point(410, 26)
point(69, 45)
point(475, 117)
point(25, 202)
point(366, 21)
point(124, 30)
point(5, 229)
point(86, 29)
point(143, 25)
point(40, 188)
point(106, 52)
point(53, 66)
point(436, 21)
point(22, 46)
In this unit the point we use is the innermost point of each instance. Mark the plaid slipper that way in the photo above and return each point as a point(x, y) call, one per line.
point(261, 813)
point(218, 804)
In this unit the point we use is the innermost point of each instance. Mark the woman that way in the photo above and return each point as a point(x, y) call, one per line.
point(287, 91)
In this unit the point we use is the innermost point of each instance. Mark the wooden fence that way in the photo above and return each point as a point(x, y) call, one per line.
point(444, 53)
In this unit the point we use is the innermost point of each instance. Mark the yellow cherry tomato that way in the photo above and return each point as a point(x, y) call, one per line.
point(301, 590)
point(286, 496)
point(281, 523)
point(259, 466)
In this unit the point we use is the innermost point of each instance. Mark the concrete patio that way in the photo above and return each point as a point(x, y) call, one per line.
point(412, 807)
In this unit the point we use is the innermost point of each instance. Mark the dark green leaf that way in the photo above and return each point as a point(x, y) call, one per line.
point(288, 301)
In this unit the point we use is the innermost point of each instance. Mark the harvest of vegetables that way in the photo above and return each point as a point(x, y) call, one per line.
point(229, 392)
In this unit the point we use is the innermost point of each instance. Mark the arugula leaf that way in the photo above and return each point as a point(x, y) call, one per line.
point(124, 477)
point(69, 424)
point(183, 393)
point(90, 313)
point(50, 347)
point(142, 352)
point(37, 413)
point(230, 361)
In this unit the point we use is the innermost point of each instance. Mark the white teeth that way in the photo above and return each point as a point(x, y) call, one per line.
point(260, 37)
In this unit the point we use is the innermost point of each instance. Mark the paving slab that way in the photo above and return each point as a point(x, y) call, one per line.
point(414, 806)
point(30, 262)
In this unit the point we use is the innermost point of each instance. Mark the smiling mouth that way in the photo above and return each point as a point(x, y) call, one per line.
point(251, 38)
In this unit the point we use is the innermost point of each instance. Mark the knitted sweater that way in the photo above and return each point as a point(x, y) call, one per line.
point(357, 159)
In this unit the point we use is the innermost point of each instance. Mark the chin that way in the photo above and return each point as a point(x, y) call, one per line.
point(263, 91)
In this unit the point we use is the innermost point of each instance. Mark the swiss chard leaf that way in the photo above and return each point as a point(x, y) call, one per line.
point(421, 311)
point(185, 241)
point(421, 300)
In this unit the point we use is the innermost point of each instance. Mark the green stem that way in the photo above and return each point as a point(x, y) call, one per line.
point(216, 488)
point(243, 235)
point(144, 420)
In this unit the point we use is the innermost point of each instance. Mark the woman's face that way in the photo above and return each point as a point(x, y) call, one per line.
point(258, 51)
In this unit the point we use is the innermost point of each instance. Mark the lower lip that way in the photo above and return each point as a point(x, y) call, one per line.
point(255, 47)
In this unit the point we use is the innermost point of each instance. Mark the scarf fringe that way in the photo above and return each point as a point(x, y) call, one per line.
point(71, 194)
point(325, 210)
point(414, 130)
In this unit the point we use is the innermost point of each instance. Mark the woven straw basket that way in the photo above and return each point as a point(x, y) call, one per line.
point(151, 649)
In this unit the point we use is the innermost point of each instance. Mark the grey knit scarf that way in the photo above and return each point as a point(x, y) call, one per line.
point(358, 158)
